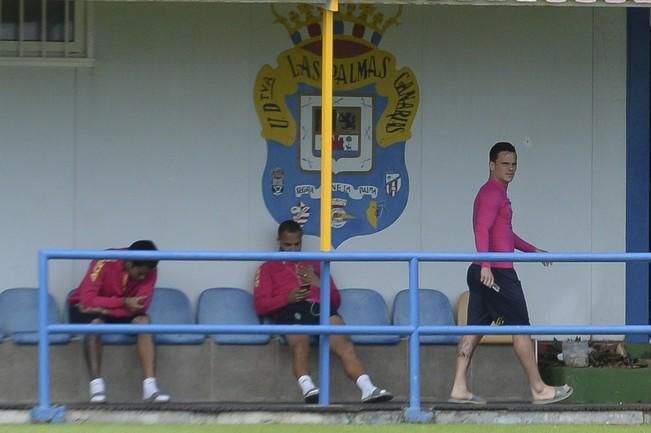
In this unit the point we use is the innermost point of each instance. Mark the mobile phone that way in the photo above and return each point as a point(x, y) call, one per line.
point(496, 287)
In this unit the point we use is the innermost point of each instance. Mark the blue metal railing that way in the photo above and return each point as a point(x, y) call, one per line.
point(44, 412)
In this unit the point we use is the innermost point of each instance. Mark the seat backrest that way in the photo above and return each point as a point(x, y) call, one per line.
point(171, 306)
point(434, 309)
point(462, 319)
point(66, 307)
point(19, 316)
point(229, 306)
point(366, 307)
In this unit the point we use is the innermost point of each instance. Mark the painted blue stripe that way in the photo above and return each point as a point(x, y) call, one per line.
point(376, 38)
point(338, 28)
point(637, 167)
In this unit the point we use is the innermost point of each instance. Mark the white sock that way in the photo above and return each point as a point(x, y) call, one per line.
point(149, 386)
point(97, 386)
point(305, 382)
point(365, 385)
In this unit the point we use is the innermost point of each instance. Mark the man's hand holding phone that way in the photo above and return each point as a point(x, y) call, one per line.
point(299, 294)
point(307, 276)
point(134, 303)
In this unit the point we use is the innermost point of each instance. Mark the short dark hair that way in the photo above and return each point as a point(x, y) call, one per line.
point(289, 226)
point(500, 146)
point(144, 245)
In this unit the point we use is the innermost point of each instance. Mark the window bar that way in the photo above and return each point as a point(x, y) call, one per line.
point(66, 28)
point(21, 26)
point(43, 27)
point(1, 17)
point(90, 35)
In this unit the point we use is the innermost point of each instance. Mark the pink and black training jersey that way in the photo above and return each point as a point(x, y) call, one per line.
point(491, 220)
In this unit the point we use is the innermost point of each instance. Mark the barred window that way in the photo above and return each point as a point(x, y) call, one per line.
point(43, 29)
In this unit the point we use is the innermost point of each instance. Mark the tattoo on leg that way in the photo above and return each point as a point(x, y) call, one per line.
point(465, 350)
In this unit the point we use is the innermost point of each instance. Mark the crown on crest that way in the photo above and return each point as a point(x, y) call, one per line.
point(364, 21)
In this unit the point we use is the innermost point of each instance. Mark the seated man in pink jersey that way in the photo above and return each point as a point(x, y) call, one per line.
point(117, 291)
point(495, 291)
point(288, 293)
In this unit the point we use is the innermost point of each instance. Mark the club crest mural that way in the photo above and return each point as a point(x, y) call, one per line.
point(374, 105)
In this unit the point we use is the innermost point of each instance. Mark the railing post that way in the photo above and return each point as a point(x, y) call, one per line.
point(414, 413)
point(44, 412)
point(324, 339)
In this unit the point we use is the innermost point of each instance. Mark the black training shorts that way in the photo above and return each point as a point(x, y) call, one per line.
point(77, 316)
point(300, 313)
point(486, 306)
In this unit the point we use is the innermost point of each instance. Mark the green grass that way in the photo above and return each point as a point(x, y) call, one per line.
point(284, 428)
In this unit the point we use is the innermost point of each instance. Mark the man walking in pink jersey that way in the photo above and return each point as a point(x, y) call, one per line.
point(495, 291)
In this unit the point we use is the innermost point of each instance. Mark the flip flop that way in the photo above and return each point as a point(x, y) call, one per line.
point(560, 394)
point(474, 399)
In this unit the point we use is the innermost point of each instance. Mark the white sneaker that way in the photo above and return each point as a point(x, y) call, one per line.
point(311, 396)
point(150, 391)
point(97, 390)
point(378, 395)
point(156, 397)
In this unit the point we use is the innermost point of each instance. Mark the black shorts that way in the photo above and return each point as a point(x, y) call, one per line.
point(300, 313)
point(77, 316)
point(486, 306)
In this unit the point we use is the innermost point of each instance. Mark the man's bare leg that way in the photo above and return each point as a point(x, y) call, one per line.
point(465, 349)
point(93, 352)
point(300, 346)
point(146, 349)
point(344, 349)
point(523, 347)
point(93, 355)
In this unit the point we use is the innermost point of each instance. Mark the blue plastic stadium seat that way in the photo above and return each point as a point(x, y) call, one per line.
point(19, 316)
point(366, 307)
point(229, 306)
point(118, 339)
point(172, 307)
point(434, 309)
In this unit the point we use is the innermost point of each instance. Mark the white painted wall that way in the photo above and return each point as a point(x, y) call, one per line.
point(160, 140)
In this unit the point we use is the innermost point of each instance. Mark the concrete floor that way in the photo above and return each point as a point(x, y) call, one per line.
point(386, 413)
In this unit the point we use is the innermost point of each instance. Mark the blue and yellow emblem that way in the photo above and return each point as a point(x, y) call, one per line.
point(374, 106)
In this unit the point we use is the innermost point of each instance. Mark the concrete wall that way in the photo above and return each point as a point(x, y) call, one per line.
point(160, 140)
point(212, 372)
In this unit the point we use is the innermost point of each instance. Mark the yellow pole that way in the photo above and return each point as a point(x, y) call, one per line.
point(329, 8)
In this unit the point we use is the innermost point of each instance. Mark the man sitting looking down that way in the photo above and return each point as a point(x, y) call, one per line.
point(117, 291)
point(288, 292)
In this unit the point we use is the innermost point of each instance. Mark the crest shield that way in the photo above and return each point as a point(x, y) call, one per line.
point(374, 106)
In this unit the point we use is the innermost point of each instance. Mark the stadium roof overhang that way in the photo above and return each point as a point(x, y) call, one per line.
point(565, 3)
